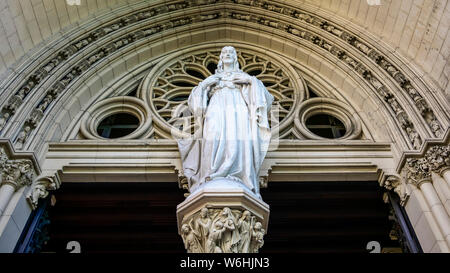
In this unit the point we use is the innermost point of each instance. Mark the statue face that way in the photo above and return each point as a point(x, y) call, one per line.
point(228, 55)
point(225, 211)
point(204, 212)
point(185, 228)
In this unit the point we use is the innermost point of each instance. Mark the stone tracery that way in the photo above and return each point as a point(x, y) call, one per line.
point(410, 133)
point(173, 83)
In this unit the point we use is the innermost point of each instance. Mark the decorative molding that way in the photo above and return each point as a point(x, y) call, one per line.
point(70, 51)
point(436, 159)
point(17, 170)
point(222, 231)
point(79, 68)
point(158, 160)
point(388, 97)
point(378, 58)
point(283, 11)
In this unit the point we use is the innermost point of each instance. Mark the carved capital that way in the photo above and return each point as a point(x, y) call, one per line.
point(417, 171)
point(17, 172)
point(436, 159)
point(40, 188)
point(222, 230)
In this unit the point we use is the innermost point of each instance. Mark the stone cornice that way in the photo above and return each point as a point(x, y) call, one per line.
point(158, 160)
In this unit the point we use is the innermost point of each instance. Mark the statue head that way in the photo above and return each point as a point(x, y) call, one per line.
point(258, 226)
point(228, 56)
point(226, 211)
point(204, 212)
point(246, 215)
point(185, 228)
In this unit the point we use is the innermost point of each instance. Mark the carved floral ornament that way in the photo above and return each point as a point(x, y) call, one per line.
point(436, 159)
point(267, 15)
point(15, 172)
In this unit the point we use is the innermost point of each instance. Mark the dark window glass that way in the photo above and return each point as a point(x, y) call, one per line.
point(325, 126)
point(118, 125)
point(312, 94)
point(195, 73)
point(133, 92)
point(212, 67)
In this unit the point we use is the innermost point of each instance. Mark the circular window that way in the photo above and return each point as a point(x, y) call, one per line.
point(326, 126)
point(118, 125)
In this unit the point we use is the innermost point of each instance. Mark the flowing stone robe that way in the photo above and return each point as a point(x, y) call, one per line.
point(235, 132)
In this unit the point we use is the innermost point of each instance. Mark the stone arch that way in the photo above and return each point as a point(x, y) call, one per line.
point(212, 24)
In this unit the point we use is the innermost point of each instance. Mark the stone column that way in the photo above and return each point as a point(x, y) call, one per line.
point(15, 174)
point(6, 193)
point(442, 190)
point(437, 209)
point(445, 173)
point(430, 174)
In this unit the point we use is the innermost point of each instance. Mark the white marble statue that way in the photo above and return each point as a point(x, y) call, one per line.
point(232, 108)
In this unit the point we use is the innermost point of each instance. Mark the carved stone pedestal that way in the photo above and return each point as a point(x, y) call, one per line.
point(222, 216)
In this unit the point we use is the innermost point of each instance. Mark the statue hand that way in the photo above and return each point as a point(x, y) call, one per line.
point(242, 78)
point(211, 80)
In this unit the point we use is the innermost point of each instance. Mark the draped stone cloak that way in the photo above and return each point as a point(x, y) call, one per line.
point(213, 153)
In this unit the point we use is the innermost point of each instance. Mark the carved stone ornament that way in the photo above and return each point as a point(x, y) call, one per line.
point(394, 183)
point(297, 24)
point(222, 231)
point(436, 159)
point(40, 189)
point(15, 172)
point(221, 163)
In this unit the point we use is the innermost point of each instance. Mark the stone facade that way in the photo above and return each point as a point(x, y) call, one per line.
point(390, 95)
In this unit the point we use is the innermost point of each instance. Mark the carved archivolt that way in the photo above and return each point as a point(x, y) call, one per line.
point(267, 16)
point(116, 105)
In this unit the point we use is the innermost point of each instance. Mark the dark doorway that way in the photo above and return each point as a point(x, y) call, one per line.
point(306, 217)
